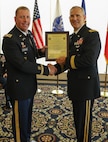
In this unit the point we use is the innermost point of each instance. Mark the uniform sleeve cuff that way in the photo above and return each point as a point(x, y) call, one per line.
point(72, 62)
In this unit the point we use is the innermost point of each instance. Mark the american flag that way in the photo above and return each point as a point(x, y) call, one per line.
point(37, 28)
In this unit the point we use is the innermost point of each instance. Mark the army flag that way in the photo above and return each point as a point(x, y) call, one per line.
point(58, 20)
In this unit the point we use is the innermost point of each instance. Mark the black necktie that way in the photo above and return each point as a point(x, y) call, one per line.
point(29, 39)
point(73, 37)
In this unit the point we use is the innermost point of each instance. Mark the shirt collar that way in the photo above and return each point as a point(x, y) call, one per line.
point(25, 33)
point(78, 29)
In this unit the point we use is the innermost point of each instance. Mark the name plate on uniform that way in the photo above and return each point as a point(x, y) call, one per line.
point(57, 43)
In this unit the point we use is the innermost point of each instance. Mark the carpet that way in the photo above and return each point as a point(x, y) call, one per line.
point(53, 118)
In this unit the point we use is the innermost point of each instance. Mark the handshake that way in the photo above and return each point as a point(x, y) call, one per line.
point(53, 69)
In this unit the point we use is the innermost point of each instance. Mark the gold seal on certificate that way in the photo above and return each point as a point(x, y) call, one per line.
point(57, 43)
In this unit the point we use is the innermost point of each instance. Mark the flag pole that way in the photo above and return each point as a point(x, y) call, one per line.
point(106, 77)
point(104, 93)
point(57, 12)
point(57, 75)
point(37, 29)
point(50, 14)
point(54, 91)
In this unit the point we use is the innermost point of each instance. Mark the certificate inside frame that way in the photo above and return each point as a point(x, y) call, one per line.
point(57, 43)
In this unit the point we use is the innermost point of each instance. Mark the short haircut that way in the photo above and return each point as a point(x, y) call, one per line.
point(21, 8)
point(82, 9)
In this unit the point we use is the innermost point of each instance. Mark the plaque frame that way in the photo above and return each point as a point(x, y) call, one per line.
point(57, 45)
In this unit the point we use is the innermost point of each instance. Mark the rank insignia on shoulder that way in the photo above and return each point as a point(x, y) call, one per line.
point(8, 35)
point(91, 31)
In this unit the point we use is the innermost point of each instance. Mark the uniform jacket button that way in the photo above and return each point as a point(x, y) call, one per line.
point(17, 80)
point(88, 77)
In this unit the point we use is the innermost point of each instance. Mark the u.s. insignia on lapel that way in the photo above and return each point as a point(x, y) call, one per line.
point(23, 38)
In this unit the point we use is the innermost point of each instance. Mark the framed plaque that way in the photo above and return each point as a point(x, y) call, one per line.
point(57, 43)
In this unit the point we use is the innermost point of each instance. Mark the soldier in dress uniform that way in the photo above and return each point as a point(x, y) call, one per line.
point(83, 78)
point(21, 54)
point(3, 80)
